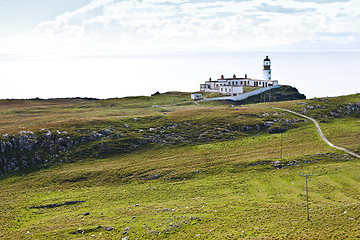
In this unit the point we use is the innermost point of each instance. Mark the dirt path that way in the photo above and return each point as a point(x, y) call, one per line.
point(320, 132)
point(197, 103)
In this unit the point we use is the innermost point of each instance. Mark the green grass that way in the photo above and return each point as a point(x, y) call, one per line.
point(222, 188)
point(36, 114)
point(250, 89)
point(344, 134)
point(227, 199)
point(339, 124)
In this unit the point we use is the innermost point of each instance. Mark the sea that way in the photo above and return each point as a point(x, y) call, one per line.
point(315, 74)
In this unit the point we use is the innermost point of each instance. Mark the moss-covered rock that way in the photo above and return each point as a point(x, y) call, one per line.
point(284, 93)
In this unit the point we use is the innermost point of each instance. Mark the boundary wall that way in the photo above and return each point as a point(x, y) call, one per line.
point(242, 96)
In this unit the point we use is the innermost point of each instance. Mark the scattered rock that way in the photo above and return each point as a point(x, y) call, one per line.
point(109, 228)
point(258, 163)
point(276, 130)
point(126, 230)
point(268, 124)
point(155, 176)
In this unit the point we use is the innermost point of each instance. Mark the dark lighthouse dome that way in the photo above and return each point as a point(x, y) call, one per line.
point(267, 63)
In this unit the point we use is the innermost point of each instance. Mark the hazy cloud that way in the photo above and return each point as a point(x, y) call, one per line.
point(280, 9)
point(323, 1)
point(166, 25)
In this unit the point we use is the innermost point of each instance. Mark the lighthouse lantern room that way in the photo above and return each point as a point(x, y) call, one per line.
point(267, 69)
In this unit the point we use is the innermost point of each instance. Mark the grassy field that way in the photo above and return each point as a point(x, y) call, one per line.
point(339, 117)
point(218, 181)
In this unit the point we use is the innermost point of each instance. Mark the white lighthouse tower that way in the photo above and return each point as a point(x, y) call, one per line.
point(267, 69)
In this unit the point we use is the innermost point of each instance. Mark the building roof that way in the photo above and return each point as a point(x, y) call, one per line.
point(226, 79)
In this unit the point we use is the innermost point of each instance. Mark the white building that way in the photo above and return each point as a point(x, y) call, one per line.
point(196, 96)
point(234, 86)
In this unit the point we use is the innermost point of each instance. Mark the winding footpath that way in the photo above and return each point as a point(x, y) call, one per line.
point(320, 132)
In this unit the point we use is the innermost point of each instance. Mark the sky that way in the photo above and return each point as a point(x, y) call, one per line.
point(109, 48)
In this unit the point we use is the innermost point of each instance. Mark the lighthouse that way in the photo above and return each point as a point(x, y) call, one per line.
point(267, 69)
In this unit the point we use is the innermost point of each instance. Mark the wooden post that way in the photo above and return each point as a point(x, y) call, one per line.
point(307, 195)
point(282, 134)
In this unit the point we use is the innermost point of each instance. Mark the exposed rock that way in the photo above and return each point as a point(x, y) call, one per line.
point(155, 176)
point(283, 93)
point(268, 124)
point(276, 130)
point(258, 163)
point(57, 204)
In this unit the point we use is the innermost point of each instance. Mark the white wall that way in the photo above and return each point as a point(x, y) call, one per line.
point(243, 96)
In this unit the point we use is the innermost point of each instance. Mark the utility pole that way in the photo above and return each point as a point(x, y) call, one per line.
point(282, 134)
point(269, 95)
point(307, 194)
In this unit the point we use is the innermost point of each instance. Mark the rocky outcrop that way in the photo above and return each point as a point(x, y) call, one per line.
point(284, 93)
point(323, 110)
point(27, 149)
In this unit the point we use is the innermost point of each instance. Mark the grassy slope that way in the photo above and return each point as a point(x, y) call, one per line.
point(212, 189)
point(343, 129)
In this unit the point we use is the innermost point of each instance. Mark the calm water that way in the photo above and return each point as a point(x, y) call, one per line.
point(314, 74)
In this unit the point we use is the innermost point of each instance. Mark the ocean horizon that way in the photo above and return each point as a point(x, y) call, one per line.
point(315, 74)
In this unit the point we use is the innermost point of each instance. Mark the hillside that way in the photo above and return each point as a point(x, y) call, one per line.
point(284, 93)
point(164, 167)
